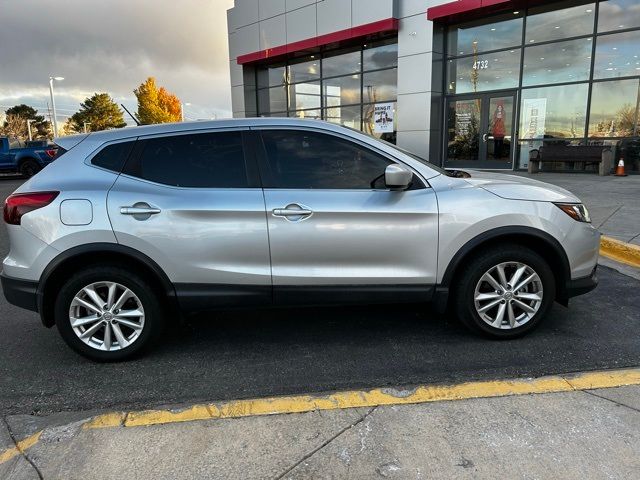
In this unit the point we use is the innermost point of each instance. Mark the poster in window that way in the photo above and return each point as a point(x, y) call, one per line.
point(383, 118)
point(534, 114)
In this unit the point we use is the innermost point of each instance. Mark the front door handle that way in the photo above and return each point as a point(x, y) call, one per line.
point(291, 211)
point(139, 210)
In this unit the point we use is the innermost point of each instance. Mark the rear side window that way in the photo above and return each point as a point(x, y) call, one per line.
point(302, 160)
point(201, 160)
point(112, 157)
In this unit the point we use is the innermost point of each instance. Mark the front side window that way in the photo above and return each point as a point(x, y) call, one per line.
point(200, 160)
point(311, 160)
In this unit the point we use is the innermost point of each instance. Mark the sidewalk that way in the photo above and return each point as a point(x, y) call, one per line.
point(572, 435)
point(613, 202)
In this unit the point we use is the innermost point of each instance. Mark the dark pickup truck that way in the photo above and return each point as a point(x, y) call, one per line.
point(15, 156)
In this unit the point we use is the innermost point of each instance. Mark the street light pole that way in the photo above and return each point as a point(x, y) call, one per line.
point(53, 104)
point(29, 122)
point(182, 105)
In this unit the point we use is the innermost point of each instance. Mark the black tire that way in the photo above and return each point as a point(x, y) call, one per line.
point(464, 294)
point(29, 167)
point(153, 318)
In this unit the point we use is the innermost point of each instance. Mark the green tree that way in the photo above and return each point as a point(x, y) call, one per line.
point(40, 128)
point(100, 111)
point(156, 105)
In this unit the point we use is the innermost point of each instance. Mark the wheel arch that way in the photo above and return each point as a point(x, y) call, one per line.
point(537, 240)
point(99, 253)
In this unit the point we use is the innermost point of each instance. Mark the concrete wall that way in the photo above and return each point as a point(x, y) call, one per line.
point(256, 25)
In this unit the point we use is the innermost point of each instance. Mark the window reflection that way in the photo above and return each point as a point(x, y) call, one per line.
point(481, 37)
point(553, 112)
point(618, 15)
point(615, 108)
point(341, 90)
point(272, 99)
point(341, 64)
point(380, 86)
point(304, 96)
point(618, 55)
point(549, 23)
point(271, 76)
point(479, 73)
point(347, 116)
point(305, 71)
point(557, 62)
point(377, 57)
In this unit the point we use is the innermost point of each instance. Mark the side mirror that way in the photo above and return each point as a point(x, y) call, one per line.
point(397, 177)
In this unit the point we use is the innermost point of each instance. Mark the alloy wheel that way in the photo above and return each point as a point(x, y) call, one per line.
point(107, 316)
point(508, 295)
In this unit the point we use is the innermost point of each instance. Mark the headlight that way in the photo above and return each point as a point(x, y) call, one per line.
point(577, 211)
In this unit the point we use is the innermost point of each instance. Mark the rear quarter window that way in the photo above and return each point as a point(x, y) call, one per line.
point(113, 157)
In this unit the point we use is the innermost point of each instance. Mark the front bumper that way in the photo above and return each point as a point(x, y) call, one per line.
point(583, 285)
point(22, 293)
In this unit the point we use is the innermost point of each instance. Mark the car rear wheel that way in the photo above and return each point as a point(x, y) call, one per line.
point(108, 313)
point(505, 292)
point(29, 168)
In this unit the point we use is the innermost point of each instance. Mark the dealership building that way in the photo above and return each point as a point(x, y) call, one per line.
point(497, 84)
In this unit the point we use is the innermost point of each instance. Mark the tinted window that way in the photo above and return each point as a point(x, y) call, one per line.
point(491, 71)
point(485, 35)
point(112, 157)
point(549, 23)
point(299, 159)
point(557, 62)
point(618, 55)
point(202, 160)
point(618, 14)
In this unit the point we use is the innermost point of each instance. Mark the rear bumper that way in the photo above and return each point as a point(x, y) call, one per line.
point(22, 293)
point(583, 285)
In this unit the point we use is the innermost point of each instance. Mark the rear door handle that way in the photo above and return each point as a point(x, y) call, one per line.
point(139, 210)
point(292, 210)
point(286, 212)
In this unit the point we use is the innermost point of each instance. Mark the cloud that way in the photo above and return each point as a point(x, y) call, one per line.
point(112, 46)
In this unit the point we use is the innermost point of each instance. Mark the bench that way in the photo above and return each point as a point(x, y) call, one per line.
point(573, 154)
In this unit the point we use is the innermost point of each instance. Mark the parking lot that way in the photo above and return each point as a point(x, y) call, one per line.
point(248, 354)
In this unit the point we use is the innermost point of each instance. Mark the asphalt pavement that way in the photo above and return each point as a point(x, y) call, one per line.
point(256, 353)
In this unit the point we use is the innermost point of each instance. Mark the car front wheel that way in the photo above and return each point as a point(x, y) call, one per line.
point(505, 292)
point(107, 313)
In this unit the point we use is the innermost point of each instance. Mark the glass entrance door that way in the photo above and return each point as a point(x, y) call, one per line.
point(480, 131)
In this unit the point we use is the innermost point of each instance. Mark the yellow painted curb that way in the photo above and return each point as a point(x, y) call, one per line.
point(620, 251)
point(20, 447)
point(352, 399)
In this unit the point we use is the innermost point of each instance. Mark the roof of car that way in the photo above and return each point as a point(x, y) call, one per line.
point(114, 134)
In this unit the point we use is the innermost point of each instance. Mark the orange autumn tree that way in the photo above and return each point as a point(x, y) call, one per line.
point(156, 105)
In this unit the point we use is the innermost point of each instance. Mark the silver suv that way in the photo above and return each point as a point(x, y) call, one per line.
point(130, 229)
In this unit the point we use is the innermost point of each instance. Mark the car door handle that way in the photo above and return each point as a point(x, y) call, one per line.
point(139, 210)
point(291, 212)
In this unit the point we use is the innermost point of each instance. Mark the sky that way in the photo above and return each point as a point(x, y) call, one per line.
point(112, 46)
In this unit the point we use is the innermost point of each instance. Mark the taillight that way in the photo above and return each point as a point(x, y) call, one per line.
point(16, 205)
point(51, 153)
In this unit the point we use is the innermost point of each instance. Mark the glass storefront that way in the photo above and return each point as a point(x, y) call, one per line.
point(545, 79)
point(355, 87)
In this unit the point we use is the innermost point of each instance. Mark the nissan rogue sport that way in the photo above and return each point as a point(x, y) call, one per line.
point(132, 228)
